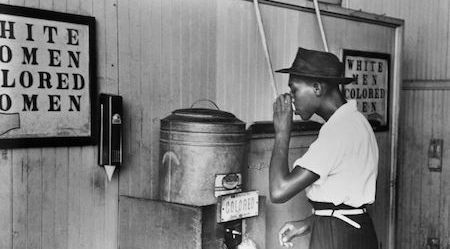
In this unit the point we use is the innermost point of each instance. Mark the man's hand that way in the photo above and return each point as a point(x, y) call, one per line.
point(282, 114)
point(294, 229)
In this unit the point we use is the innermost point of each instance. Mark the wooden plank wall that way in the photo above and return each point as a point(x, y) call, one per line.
point(54, 198)
point(423, 209)
point(423, 196)
point(242, 78)
point(160, 56)
point(166, 62)
point(427, 27)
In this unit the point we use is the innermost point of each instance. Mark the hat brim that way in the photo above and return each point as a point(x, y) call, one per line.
point(340, 80)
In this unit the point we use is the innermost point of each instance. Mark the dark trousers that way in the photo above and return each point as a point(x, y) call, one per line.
point(332, 233)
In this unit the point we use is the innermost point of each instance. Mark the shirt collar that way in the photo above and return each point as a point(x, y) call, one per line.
point(343, 110)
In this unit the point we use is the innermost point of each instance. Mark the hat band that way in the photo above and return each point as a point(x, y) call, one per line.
point(308, 74)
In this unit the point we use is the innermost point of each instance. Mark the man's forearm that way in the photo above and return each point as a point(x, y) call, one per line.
point(279, 168)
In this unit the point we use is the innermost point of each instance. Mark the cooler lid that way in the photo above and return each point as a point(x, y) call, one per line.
point(203, 115)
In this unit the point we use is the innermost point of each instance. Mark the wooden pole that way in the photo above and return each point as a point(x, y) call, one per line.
point(266, 50)
point(319, 20)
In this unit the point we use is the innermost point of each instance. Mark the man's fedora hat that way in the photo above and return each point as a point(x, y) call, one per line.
point(318, 65)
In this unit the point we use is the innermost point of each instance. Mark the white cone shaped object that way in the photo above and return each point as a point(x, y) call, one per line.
point(109, 171)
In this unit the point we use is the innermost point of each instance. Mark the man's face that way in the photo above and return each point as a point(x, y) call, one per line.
point(303, 97)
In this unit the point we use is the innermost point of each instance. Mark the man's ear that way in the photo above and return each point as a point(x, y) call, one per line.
point(318, 89)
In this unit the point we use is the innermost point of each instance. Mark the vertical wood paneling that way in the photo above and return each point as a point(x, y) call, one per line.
point(86, 7)
point(19, 196)
point(105, 194)
point(445, 175)
point(58, 196)
point(160, 56)
point(447, 45)
point(74, 178)
point(432, 211)
point(423, 209)
point(185, 52)
point(129, 68)
point(17, 2)
point(242, 79)
point(48, 197)
point(444, 7)
point(60, 5)
point(423, 203)
point(245, 88)
point(6, 199)
point(86, 187)
point(253, 85)
point(426, 34)
point(73, 6)
point(421, 59)
point(429, 180)
point(61, 206)
point(164, 64)
point(150, 75)
point(416, 179)
point(286, 30)
point(401, 195)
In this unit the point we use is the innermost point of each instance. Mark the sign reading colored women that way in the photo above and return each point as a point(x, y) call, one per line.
point(45, 78)
point(371, 85)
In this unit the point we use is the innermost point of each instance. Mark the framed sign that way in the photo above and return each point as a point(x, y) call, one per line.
point(371, 86)
point(47, 78)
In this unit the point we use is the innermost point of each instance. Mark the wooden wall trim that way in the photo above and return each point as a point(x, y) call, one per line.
point(394, 133)
point(339, 12)
point(423, 84)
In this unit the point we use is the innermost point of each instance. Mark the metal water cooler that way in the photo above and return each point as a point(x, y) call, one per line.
point(202, 153)
point(202, 156)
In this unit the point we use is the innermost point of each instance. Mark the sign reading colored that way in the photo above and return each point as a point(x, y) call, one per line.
point(45, 75)
point(237, 206)
point(371, 85)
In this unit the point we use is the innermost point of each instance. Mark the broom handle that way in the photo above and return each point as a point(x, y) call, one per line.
point(266, 50)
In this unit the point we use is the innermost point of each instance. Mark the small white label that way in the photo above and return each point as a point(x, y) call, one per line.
point(237, 206)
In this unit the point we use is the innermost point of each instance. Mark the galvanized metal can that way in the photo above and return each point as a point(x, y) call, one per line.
point(196, 144)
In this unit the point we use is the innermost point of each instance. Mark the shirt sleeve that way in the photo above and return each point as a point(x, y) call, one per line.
point(323, 155)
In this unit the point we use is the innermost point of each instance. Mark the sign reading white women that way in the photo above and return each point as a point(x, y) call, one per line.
point(45, 75)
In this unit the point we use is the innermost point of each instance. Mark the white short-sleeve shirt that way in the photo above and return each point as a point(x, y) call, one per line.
point(345, 156)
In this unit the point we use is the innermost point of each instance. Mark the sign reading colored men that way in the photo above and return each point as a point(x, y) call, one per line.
point(46, 81)
point(371, 85)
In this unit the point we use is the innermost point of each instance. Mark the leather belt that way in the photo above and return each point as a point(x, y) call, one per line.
point(341, 214)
